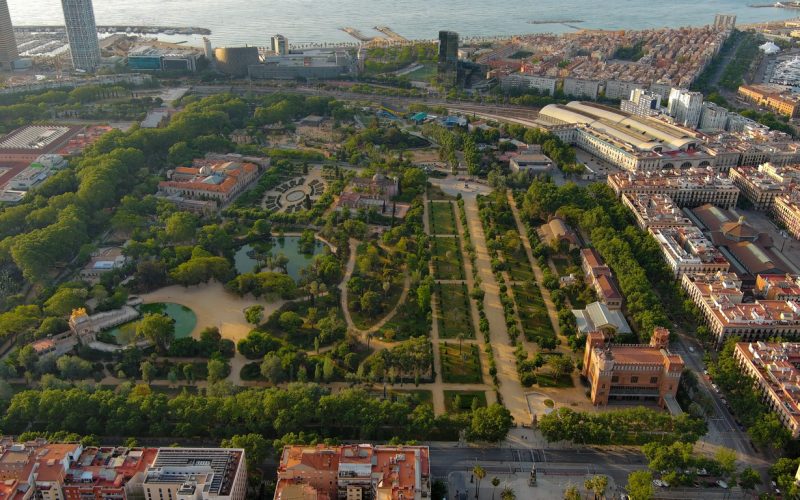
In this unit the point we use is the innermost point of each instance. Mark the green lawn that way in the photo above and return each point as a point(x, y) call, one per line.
point(465, 400)
point(455, 314)
point(519, 266)
point(448, 263)
point(409, 322)
point(422, 74)
point(545, 379)
point(442, 218)
point(533, 312)
point(463, 367)
point(436, 193)
point(420, 396)
point(562, 264)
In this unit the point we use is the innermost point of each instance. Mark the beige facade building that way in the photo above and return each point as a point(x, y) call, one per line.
point(760, 185)
point(772, 97)
point(656, 211)
point(786, 210)
point(354, 472)
point(719, 298)
point(686, 188)
point(773, 368)
point(686, 250)
point(632, 372)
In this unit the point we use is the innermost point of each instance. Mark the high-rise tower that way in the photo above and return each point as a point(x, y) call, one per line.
point(82, 34)
point(448, 57)
point(8, 44)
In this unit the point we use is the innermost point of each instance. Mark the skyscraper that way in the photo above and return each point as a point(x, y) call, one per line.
point(8, 44)
point(82, 34)
point(280, 45)
point(448, 56)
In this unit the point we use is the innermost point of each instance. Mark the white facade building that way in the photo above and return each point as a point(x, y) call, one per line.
point(641, 103)
point(542, 84)
point(685, 107)
point(713, 117)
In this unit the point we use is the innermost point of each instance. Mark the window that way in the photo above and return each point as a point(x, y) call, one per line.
point(634, 380)
point(653, 380)
point(614, 379)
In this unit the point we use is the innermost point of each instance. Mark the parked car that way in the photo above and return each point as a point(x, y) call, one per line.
point(722, 484)
point(691, 349)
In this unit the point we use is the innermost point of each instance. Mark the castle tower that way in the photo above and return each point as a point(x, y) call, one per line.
point(593, 339)
point(660, 338)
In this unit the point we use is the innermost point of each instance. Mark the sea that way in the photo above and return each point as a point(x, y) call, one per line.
point(252, 22)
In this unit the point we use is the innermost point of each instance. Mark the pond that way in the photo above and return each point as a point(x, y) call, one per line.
point(288, 246)
point(185, 321)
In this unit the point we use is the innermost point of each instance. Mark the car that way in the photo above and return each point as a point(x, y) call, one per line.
point(691, 349)
point(714, 386)
point(722, 484)
point(705, 372)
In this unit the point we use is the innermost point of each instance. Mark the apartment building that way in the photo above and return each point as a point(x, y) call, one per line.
point(354, 472)
point(686, 250)
point(577, 87)
point(778, 287)
point(656, 211)
point(712, 117)
point(619, 89)
point(685, 107)
point(68, 471)
point(786, 211)
point(773, 97)
point(197, 473)
point(719, 298)
point(773, 368)
point(600, 277)
point(641, 103)
point(686, 188)
point(632, 372)
point(762, 184)
point(522, 81)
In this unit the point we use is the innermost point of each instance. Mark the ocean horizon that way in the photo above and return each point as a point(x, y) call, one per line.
point(252, 22)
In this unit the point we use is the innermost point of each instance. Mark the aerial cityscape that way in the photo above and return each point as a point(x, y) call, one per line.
point(375, 254)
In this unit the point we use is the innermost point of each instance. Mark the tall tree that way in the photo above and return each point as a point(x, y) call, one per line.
point(158, 329)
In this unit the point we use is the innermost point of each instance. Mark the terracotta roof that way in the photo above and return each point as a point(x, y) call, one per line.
point(608, 287)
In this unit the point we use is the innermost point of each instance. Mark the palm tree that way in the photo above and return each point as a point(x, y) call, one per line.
point(495, 484)
point(508, 494)
point(479, 473)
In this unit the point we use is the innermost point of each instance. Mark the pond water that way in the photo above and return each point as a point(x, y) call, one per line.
point(185, 321)
point(288, 246)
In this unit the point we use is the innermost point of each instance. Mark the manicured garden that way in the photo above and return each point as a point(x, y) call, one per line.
point(458, 401)
point(442, 218)
point(448, 262)
point(455, 315)
point(375, 287)
point(460, 364)
point(409, 321)
point(533, 313)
